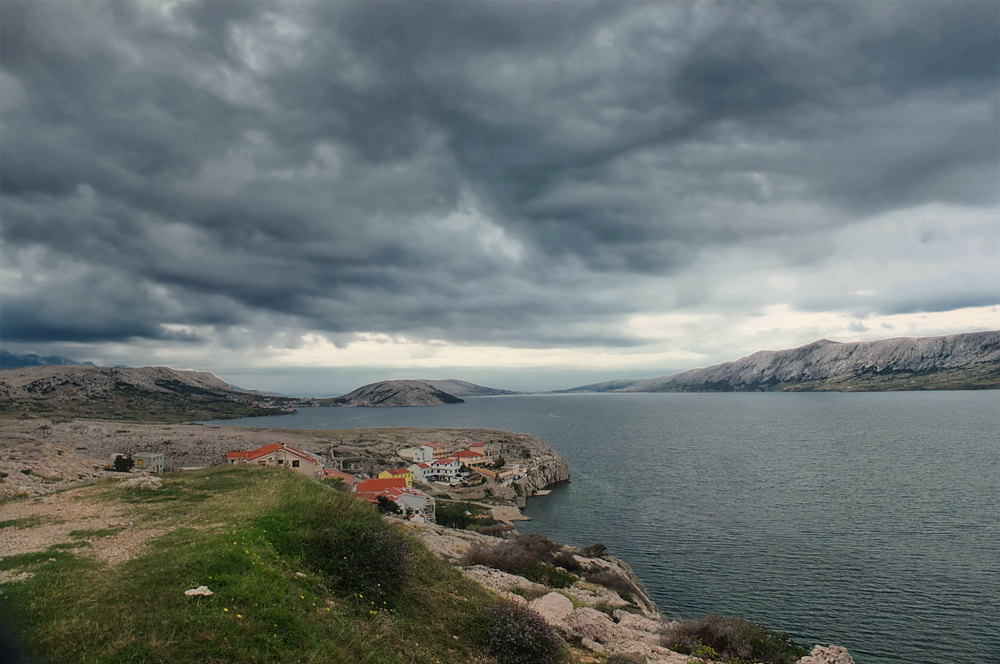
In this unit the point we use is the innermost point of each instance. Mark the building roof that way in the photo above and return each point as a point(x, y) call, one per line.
point(340, 475)
point(399, 471)
point(466, 454)
point(447, 461)
point(251, 455)
point(369, 486)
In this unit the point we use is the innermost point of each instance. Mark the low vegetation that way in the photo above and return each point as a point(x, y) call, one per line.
point(299, 573)
point(531, 555)
point(463, 516)
point(731, 640)
point(512, 633)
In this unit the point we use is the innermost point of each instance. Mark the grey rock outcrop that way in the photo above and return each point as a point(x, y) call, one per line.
point(959, 361)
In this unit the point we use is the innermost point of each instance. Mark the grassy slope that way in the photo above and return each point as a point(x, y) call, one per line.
point(239, 531)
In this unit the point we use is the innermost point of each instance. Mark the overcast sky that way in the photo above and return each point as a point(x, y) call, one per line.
point(307, 196)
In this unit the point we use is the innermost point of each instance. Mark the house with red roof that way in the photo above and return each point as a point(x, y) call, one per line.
point(444, 470)
point(350, 481)
point(405, 473)
point(281, 455)
point(470, 457)
point(419, 471)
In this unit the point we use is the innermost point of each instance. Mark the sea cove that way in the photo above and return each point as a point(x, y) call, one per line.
point(866, 520)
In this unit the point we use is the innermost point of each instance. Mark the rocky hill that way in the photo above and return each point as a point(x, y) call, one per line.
point(959, 361)
point(462, 388)
point(153, 394)
point(395, 393)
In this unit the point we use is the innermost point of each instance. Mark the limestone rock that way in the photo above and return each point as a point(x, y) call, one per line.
point(554, 607)
point(592, 645)
point(637, 623)
point(143, 483)
point(828, 655)
point(201, 591)
point(588, 623)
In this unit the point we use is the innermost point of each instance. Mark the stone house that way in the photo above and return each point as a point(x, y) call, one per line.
point(283, 456)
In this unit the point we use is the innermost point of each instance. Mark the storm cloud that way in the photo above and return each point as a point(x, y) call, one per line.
point(503, 174)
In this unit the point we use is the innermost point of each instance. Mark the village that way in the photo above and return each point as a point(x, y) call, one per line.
point(409, 492)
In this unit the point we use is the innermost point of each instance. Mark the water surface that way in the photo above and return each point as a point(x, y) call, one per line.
point(866, 520)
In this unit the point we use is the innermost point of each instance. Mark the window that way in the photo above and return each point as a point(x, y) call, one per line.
point(295, 464)
point(280, 461)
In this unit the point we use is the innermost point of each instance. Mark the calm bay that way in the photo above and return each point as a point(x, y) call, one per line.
point(865, 520)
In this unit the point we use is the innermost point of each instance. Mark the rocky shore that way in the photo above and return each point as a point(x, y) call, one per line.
point(597, 617)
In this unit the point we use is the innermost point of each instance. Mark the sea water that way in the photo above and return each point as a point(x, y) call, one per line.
point(868, 520)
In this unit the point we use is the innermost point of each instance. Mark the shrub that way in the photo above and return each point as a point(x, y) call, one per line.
point(595, 550)
point(387, 506)
point(515, 556)
point(566, 560)
point(617, 582)
point(731, 639)
point(550, 576)
point(124, 463)
point(363, 554)
point(454, 515)
point(514, 634)
point(626, 658)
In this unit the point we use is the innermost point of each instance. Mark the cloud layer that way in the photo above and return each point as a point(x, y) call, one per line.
point(255, 178)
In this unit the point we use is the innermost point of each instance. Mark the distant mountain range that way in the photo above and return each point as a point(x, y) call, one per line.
point(412, 393)
point(153, 394)
point(9, 360)
point(955, 362)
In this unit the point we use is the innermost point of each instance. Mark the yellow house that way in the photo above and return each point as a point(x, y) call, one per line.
point(404, 473)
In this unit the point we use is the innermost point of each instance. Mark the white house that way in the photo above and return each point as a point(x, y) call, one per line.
point(411, 501)
point(418, 470)
point(423, 454)
point(444, 470)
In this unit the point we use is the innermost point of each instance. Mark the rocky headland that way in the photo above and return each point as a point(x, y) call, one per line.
point(955, 362)
point(40, 456)
point(147, 394)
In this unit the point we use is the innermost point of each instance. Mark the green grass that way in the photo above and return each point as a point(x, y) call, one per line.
point(29, 522)
point(94, 533)
point(238, 531)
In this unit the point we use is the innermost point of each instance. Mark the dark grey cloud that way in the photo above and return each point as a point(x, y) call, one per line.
point(492, 172)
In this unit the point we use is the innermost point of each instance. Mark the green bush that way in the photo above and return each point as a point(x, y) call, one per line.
point(550, 576)
point(124, 463)
point(514, 634)
point(732, 640)
point(364, 555)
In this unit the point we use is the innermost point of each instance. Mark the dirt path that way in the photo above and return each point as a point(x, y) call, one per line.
point(49, 520)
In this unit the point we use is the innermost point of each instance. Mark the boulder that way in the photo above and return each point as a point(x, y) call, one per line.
point(554, 607)
point(828, 655)
point(588, 623)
